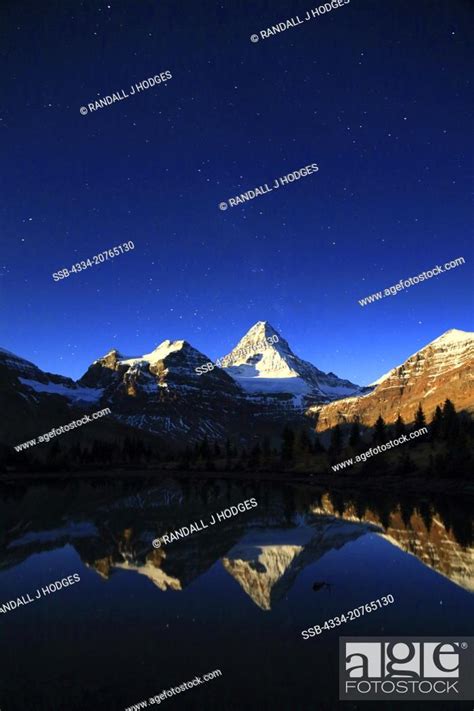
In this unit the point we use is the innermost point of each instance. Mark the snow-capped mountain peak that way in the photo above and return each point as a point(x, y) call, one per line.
point(264, 351)
point(161, 351)
point(453, 337)
point(16, 363)
point(262, 362)
point(259, 332)
point(441, 369)
point(168, 392)
point(113, 355)
point(447, 351)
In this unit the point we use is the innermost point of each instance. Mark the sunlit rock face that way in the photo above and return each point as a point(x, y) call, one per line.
point(263, 364)
point(442, 369)
point(429, 541)
point(263, 550)
point(175, 391)
point(265, 564)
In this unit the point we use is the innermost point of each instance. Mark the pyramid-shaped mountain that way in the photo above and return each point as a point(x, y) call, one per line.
point(262, 362)
point(261, 387)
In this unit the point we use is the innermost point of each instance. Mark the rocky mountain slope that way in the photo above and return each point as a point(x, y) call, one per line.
point(434, 544)
point(264, 549)
point(161, 394)
point(267, 563)
point(263, 363)
point(33, 401)
point(261, 387)
point(442, 369)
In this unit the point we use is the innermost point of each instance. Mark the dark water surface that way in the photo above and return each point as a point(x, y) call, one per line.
point(233, 597)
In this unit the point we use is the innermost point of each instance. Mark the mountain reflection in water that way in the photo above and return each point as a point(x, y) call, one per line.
point(112, 525)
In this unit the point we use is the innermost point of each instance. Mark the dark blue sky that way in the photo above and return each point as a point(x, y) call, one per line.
point(377, 94)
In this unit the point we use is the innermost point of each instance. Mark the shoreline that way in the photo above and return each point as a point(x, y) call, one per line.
point(391, 484)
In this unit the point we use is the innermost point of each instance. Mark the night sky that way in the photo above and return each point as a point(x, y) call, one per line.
point(378, 94)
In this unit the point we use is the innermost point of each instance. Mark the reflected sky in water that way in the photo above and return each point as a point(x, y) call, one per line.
point(234, 597)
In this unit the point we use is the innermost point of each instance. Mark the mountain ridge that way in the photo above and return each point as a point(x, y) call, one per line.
point(442, 369)
point(265, 368)
point(262, 387)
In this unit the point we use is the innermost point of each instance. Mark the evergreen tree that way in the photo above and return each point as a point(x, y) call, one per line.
point(384, 510)
point(380, 431)
point(228, 454)
point(406, 465)
point(436, 427)
point(460, 459)
point(255, 457)
point(337, 501)
point(138, 451)
point(195, 453)
point(336, 440)
point(288, 444)
point(127, 450)
point(450, 422)
point(317, 447)
point(54, 450)
point(74, 454)
point(440, 466)
point(360, 508)
point(186, 458)
point(426, 513)
point(399, 427)
point(406, 511)
point(304, 443)
point(204, 449)
point(53, 457)
point(354, 436)
point(420, 419)
point(267, 452)
point(243, 458)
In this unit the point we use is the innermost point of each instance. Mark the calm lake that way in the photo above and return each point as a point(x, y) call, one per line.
point(234, 596)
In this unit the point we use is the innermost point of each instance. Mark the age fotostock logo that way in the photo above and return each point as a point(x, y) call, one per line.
point(406, 668)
